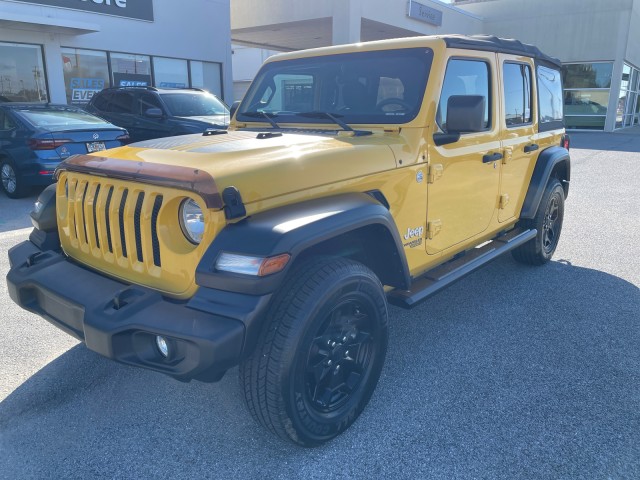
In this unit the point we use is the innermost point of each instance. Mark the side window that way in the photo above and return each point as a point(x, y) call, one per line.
point(5, 122)
point(121, 102)
point(517, 93)
point(464, 77)
point(147, 101)
point(550, 101)
point(100, 101)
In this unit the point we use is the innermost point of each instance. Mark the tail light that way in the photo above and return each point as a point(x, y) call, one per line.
point(46, 143)
point(565, 142)
point(124, 138)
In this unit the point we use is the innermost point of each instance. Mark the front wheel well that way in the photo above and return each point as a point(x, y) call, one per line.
point(372, 245)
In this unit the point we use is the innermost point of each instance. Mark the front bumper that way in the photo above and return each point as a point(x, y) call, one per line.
point(121, 321)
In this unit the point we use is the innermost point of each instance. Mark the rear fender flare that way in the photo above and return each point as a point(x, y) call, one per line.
point(553, 161)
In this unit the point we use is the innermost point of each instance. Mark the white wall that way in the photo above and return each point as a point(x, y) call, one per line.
point(572, 30)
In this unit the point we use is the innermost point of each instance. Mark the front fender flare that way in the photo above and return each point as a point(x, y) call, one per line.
point(293, 229)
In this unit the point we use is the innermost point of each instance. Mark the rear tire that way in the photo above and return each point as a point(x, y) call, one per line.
point(320, 353)
point(11, 181)
point(548, 223)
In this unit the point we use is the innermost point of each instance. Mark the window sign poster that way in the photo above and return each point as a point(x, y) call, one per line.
point(131, 80)
point(172, 85)
point(85, 73)
point(83, 89)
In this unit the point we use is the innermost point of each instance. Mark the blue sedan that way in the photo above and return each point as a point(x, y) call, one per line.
point(35, 138)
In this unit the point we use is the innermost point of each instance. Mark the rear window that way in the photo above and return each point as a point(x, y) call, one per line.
point(54, 117)
point(193, 104)
point(550, 102)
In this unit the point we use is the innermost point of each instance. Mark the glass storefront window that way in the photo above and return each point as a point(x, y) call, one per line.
point(588, 122)
point(626, 74)
point(587, 75)
point(22, 76)
point(85, 73)
point(130, 70)
point(634, 80)
point(207, 75)
point(628, 101)
point(170, 72)
point(586, 102)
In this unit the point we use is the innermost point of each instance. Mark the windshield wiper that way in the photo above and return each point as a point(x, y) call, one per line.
point(334, 119)
point(262, 113)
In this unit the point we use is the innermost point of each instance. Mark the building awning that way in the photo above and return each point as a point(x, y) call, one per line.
point(46, 24)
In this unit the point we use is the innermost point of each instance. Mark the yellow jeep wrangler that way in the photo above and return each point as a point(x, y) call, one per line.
point(350, 176)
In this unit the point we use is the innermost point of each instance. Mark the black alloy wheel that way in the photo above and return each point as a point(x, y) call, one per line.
point(548, 223)
point(320, 352)
point(339, 357)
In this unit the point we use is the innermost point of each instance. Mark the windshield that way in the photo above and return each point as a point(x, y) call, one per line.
point(59, 116)
point(193, 104)
point(365, 87)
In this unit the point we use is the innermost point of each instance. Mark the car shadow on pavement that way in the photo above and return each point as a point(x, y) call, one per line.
point(514, 372)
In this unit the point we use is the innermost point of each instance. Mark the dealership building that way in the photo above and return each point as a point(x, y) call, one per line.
point(63, 51)
point(598, 41)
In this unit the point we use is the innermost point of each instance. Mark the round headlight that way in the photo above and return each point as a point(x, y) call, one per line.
point(191, 220)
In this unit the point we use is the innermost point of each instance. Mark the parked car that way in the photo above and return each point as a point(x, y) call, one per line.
point(150, 112)
point(35, 138)
point(349, 177)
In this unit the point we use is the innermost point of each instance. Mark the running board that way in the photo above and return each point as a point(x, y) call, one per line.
point(444, 275)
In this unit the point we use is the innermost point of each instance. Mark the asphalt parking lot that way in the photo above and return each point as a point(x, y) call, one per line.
point(514, 372)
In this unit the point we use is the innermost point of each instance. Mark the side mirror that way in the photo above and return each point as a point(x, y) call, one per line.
point(234, 107)
point(153, 113)
point(465, 113)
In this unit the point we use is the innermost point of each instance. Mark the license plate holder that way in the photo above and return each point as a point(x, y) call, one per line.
point(95, 147)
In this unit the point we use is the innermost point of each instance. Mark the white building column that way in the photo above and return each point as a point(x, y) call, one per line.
point(347, 20)
point(55, 73)
point(614, 95)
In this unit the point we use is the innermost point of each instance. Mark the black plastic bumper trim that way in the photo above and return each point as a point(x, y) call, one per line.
point(121, 321)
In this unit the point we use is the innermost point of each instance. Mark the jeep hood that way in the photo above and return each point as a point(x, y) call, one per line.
point(268, 164)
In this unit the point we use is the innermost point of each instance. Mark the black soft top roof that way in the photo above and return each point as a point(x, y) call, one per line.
point(491, 43)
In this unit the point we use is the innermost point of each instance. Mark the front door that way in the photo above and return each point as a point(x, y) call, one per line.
point(464, 175)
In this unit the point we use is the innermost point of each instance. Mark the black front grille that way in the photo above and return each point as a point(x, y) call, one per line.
point(123, 203)
point(100, 209)
point(107, 217)
point(137, 228)
point(154, 230)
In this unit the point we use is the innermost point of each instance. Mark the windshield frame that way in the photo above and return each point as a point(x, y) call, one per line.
point(264, 80)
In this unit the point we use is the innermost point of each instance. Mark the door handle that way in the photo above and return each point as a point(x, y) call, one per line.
point(491, 157)
point(531, 148)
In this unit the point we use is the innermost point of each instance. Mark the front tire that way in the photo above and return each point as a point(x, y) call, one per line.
point(320, 353)
point(548, 223)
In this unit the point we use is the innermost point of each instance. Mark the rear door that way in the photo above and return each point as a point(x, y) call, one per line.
point(120, 110)
point(519, 124)
point(463, 179)
point(146, 127)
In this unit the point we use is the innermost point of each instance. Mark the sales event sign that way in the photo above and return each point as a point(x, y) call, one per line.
point(424, 14)
point(83, 89)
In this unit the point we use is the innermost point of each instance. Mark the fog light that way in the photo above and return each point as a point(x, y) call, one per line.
point(163, 345)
